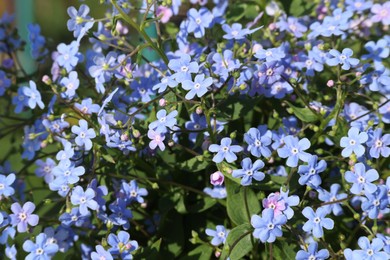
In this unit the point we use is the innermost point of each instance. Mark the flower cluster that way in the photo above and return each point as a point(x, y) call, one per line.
point(240, 129)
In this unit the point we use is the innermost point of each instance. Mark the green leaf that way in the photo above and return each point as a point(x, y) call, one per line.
point(305, 114)
point(241, 202)
point(108, 158)
point(171, 99)
point(284, 250)
point(150, 252)
point(195, 164)
point(237, 107)
point(202, 252)
point(239, 241)
point(301, 7)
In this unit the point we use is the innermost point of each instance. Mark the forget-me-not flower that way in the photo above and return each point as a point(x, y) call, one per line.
point(225, 151)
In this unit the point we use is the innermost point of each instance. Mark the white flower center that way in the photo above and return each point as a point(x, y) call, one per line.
point(317, 220)
point(22, 216)
point(352, 142)
point(39, 251)
point(197, 86)
point(294, 150)
point(270, 226)
point(269, 72)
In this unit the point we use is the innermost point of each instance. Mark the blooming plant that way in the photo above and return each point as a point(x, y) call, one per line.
point(238, 130)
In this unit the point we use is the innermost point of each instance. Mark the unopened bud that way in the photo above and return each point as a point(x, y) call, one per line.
point(217, 178)
point(199, 110)
point(330, 83)
point(162, 102)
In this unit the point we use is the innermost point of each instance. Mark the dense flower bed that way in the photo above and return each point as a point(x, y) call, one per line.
point(199, 129)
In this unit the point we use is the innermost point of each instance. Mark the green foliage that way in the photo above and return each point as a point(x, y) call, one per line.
point(241, 202)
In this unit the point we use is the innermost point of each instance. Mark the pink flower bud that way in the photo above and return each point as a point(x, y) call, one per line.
point(46, 79)
point(124, 137)
point(217, 178)
point(217, 254)
point(162, 102)
point(272, 26)
point(330, 83)
point(165, 12)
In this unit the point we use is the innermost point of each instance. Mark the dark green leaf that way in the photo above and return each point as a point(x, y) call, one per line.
point(202, 252)
point(242, 203)
point(284, 250)
point(195, 164)
point(108, 158)
point(305, 114)
point(239, 241)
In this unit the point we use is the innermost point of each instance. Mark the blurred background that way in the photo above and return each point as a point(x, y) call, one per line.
point(51, 15)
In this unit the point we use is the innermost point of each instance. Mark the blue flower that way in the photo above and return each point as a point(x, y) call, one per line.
point(335, 58)
point(4, 82)
point(316, 221)
point(310, 172)
point(291, 25)
point(183, 67)
point(101, 254)
point(219, 235)
point(33, 96)
point(249, 171)
point(376, 51)
point(379, 144)
point(71, 83)
point(198, 21)
point(84, 134)
point(67, 173)
point(217, 192)
point(370, 251)
point(68, 55)
point(381, 13)
point(85, 199)
point(331, 197)
point(23, 215)
point(198, 87)
point(358, 5)
point(157, 139)
point(353, 143)
point(66, 153)
point(20, 100)
point(37, 41)
point(163, 121)
point(75, 218)
point(40, 249)
point(270, 72)
point(121, 215)
point(6, 189)
point(361, 179)
point(11, 252)
point(225, 63)
point(258, 140)
point(268, 227)
point(375, 202)
point(290, 201)
point(131, 192)
point(87, 107)
point(122, 245)
point(78, 19)
point(197, 123)
point(293, 150)
point(44, 169)
point(271, 54)
point(236, 32)
point(312, 253)
point(225, 151)
point(166, 81)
